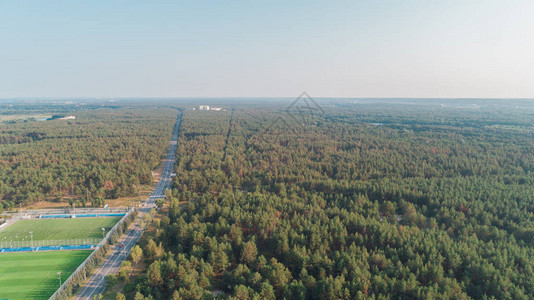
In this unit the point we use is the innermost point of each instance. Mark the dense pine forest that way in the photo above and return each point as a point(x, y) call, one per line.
point(106, 152)
point(354, 200)
point(362, 201)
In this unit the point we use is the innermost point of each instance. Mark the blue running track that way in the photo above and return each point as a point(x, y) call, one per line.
point(48, 248)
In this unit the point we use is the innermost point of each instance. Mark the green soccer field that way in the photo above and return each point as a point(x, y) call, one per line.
point(33, 275)
point(57, 229)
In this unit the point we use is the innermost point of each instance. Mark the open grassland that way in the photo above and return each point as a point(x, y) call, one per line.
point(57, 229)
point(33, 275)
point(23, 117)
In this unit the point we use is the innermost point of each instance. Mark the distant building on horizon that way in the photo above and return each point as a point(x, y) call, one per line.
point(207, 107)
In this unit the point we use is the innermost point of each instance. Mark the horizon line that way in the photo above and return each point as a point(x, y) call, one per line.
point(246, 97)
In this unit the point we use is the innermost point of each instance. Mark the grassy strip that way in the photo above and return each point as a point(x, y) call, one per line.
point(33, 275)
point(56, 229)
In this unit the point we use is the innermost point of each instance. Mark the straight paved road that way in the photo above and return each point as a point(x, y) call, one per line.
point(97, 282)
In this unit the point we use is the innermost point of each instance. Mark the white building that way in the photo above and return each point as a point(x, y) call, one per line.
point(204, 107)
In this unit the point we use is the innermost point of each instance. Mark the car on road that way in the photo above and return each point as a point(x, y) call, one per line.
point(121, 245)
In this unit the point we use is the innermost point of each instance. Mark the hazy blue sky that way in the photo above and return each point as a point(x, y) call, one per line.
point(267, 48)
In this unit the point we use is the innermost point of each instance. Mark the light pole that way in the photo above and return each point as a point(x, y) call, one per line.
point(103, 232)
point(31, 234)
point(59, 275)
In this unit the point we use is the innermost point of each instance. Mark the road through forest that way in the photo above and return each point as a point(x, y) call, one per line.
point(96, 284)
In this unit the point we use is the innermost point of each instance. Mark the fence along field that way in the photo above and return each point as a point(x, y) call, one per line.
point(80, 274)
point(48, 232)
point(33, 275)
